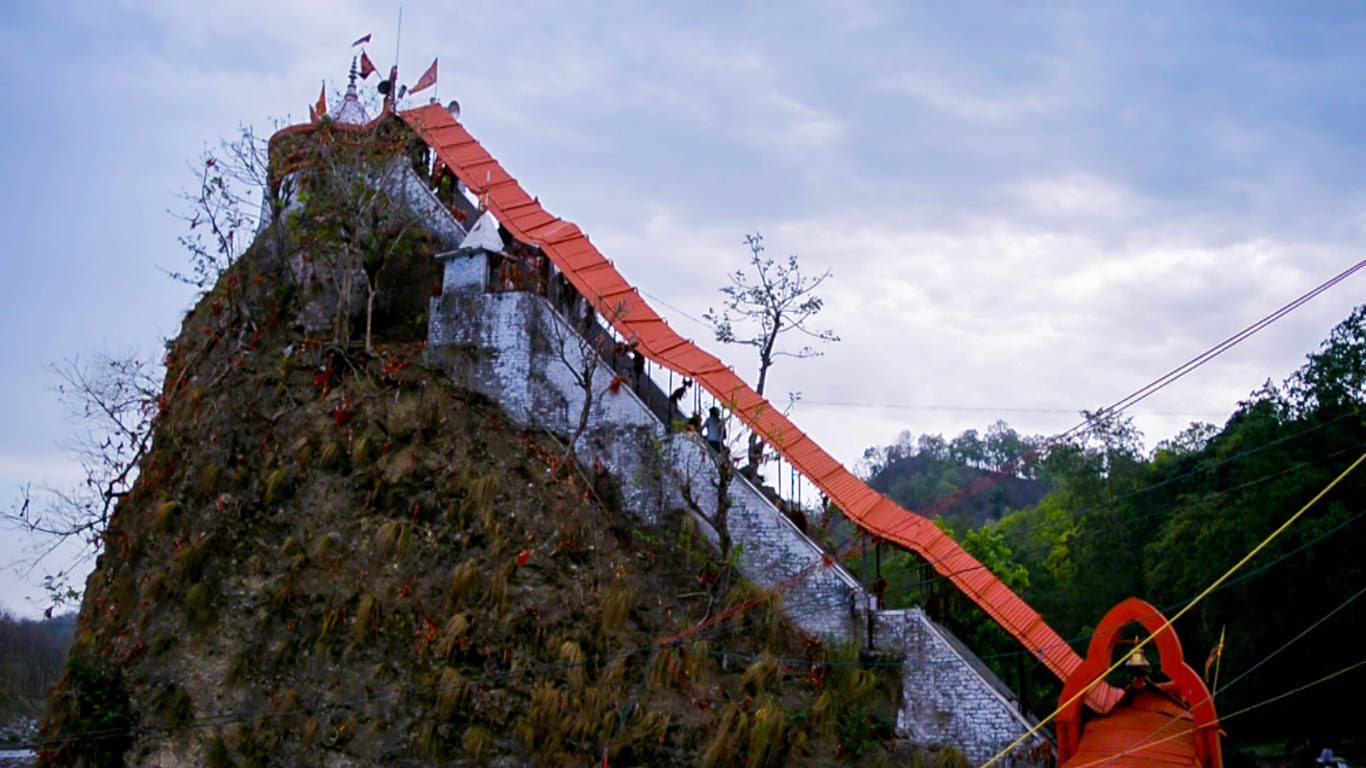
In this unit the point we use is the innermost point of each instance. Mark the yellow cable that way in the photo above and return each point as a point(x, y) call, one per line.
point(1179, 613)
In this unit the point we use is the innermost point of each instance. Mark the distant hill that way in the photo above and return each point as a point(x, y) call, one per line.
point(917, 473)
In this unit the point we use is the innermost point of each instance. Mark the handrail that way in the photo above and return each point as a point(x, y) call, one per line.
point(595, 278)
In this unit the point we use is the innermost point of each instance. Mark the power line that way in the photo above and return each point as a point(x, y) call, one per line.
point(1174, 606)
point(978, 408)
point(1249, 671)
point(1133, 398)
point(1298, 689)
point(1080, 512)
point(245, 715)
point(1166, 624)
point(1093, 420)
point(702, 323)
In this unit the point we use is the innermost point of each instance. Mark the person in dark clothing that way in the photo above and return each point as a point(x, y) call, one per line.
point(714, 430)
point(637, 367)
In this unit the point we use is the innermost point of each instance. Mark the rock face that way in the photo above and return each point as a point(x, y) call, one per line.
point(345, 556)
point(335, 557)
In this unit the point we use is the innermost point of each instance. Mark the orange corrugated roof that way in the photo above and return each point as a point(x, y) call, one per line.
point(596, 279)
point(1151, 731)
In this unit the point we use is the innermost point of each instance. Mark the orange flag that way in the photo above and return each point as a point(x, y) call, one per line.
point(366, 66)
point(427, 80)
point(321, 109)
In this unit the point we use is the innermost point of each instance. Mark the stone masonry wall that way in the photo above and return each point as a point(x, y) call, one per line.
point(947, 696)
point(515, 348)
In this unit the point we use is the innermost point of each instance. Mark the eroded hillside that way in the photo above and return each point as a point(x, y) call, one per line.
point(335, 557)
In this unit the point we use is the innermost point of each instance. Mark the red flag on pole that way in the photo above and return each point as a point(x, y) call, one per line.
point(427, 80)
point(365, 39)
point(366, 65)
point(321, 109)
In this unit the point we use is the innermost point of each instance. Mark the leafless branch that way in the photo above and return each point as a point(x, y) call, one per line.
point(771, 298)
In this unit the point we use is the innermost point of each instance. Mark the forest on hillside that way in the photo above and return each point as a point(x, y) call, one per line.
point(1104, 518)
point(32, 657)
point(917, 472)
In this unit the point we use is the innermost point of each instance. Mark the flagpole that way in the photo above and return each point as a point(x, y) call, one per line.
point(398, 39)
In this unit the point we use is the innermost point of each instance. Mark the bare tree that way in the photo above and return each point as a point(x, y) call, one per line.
point(224, 212)
point(353, 194)
point(717, 513)
point(117, 399)
point(116, 402)
point(581, 345)
point(770, 299)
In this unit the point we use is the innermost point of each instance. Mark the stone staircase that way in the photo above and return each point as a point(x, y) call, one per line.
point(522, 349)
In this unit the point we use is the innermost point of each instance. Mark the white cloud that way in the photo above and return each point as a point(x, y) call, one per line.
point(961, 100)
point(1005, 315)
point(786, 122)
point(1022, 211)
point(1077, 195)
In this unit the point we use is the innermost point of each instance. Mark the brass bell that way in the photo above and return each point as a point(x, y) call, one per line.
point(1136, 659)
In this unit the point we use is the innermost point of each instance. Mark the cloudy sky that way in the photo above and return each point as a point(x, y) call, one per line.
point(1028, 209)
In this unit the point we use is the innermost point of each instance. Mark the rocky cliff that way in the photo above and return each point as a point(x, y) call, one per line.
point(334, 556)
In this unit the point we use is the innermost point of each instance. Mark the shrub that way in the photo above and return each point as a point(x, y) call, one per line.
point(165, 516)
point(450, 692)
point(760, 677)
point(951, 757)
point(498, 587)
point(476, 742)
point(172, 705)
point(159, 644)
point(216, 753)
point(190, 564)
point(92, 717)
point(395, 537)
point(363, 451)
point(617, 601)
point(572, 654)
point(726, 738)
point(455, 629)
point(276, 486)
point(329, 456)
point(367, 616)
point(766, 737)
point(549, 716)
point(326, 545)
point(236, 673)
point(464, 581)
point(199, 603)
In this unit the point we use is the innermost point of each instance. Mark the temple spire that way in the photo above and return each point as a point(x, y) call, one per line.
point(351, 110)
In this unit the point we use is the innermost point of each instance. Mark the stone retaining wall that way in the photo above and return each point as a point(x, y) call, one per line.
point(517, 349)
